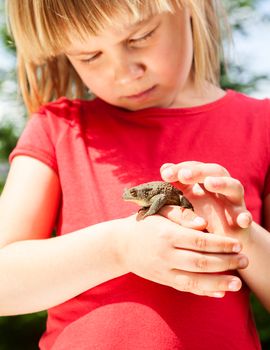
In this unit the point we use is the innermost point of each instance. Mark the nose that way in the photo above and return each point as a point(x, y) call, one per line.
point(128, 71)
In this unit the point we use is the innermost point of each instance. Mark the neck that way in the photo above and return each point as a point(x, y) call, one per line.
point(192, 96)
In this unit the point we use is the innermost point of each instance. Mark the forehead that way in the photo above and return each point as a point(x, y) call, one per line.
point(126, 24)
point(116, 17)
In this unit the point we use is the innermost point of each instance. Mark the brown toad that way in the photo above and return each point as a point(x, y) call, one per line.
point(152, 196)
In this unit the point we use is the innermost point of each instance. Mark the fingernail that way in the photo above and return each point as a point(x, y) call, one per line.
point(199, 221)
point(234, 285)
point(167, 173)
point(165, 165)
point(237, 248)
point(244, 220)
point(218, 294)
point(242, 263)
point(186, 174)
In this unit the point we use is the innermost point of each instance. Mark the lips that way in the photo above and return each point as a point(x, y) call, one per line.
point(141, 94)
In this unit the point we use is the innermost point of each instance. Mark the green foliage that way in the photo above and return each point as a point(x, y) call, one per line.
point(8, 140)
point(247, 86)
point(7, 40)
point(21, 332)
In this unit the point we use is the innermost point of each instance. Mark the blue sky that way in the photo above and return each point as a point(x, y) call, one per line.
point(253, 51)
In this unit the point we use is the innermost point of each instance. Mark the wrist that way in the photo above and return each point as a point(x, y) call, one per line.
point(247, 239)
point(118, 242)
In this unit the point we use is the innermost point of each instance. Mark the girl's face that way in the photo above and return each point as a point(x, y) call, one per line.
point(140, 65)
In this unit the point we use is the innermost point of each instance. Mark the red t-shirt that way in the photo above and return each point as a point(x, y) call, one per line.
point(97, 150)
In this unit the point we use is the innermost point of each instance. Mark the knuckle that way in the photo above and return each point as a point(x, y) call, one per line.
point(190, 284)
point(201, 242)
point(226, 247)
point(221, 284)
point(231, 264)
point(165, 235)
point(220, 169)
point(201, 263)
point(240, 188)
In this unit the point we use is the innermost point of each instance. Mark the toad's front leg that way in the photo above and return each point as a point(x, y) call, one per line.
point(157, 202)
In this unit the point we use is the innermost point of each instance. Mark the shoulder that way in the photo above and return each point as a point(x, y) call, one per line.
point(50, 124)
point(66, 109)
point(62, 115)
point(248, 111)
point(248, 103)
point(254, 112)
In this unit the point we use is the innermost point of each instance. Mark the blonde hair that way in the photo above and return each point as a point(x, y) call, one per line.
point(41, 28)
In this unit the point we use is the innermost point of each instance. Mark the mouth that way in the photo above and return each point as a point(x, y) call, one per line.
point(142, 95)
point(139, 202)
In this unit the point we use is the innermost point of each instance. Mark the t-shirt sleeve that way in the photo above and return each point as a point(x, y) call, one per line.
point(36, 141)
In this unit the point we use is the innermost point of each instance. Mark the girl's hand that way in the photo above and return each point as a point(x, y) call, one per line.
point(188, 260)
point(215, 195)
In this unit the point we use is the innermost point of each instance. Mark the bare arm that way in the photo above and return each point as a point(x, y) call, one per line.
point(257, 248)
point(36, 272)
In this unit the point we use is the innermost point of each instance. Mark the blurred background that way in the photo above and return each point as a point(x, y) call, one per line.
point(247, 70)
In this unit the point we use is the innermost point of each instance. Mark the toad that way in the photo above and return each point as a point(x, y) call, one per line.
point(152, 196)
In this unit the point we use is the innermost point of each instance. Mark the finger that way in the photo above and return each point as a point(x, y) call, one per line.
point(205, 284)
point(238, 216)
point(215, 294)
point(233, 190)
point(205, 242)
point(244, 219)
point(192, 172)
point(209, 294)
point(166, 165)
point(187, 260)
point(183, 216)
point(228, 186)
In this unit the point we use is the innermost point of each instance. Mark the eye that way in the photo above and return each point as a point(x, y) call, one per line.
point(91, 59)
point(144, 37)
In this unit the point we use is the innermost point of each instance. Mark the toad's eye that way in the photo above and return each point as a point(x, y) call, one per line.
point(133, 192)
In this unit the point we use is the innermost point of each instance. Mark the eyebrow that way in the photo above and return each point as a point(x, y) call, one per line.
point(132, 27)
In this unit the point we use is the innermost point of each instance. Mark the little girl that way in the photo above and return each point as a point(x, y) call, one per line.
point(177, 280)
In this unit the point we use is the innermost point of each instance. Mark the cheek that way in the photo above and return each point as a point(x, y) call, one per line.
point(96, 84)
point(95, 81)
point(176, 65)
point(179, 61)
